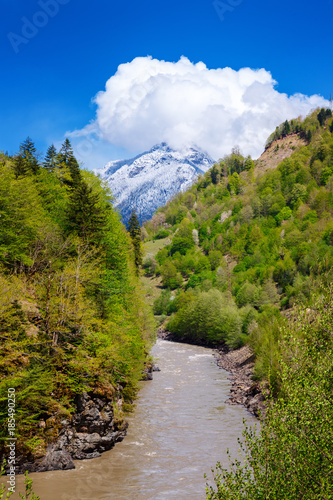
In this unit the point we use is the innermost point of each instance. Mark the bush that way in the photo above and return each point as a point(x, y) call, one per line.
point(170, 277)
point(162, 303)
point(163, 233)
point(149, 265)
point(210, 317)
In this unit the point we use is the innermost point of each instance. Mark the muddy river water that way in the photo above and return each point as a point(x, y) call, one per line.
point(180, 428)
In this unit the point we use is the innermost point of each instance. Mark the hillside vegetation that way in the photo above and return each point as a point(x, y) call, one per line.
point(248, 259)
point(247, 243)
point(72, 316)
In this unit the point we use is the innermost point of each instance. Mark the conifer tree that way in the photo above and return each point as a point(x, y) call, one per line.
point(67, 165)
point(50, 160)
point(85, 215)
point(135, 232)
point(26, 161)
point(286, 128)
point(134, 225)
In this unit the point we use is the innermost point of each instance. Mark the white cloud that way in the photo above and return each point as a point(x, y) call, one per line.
point(149, 101)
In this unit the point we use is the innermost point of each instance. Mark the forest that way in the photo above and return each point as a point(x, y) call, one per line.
point(72, 313)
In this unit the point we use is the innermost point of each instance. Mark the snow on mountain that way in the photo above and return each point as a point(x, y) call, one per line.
point(149, 180)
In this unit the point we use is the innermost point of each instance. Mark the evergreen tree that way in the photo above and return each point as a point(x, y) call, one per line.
point(85, 215)
point(50, 160)
point(323, 114)
point(135, 233)
point(67, 165)
point(134, 228)
point(286, 128)
point(215, 174)
point(26, 161)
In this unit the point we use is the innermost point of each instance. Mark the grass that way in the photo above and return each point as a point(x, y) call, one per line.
point(153, 285)
point(152, 247)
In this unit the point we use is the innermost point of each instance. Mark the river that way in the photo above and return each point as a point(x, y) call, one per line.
point(179, 429)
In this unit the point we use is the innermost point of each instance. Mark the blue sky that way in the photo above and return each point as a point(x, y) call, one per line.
point(54, 64)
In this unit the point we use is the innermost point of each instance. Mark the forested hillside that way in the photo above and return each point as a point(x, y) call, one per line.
point(72, 316)
point(248, 242)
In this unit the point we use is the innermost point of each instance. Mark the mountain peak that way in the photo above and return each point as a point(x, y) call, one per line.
point(150, 179)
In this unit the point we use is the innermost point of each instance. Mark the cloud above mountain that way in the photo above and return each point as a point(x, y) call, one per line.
point(148, 101)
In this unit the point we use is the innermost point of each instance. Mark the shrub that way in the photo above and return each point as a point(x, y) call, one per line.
point(162, 303)
point(210, 317)
point(163, 233)
point(171, 278)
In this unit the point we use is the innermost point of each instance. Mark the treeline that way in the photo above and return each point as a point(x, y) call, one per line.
point(242, 251)
point(72, 317)
point(305, 128)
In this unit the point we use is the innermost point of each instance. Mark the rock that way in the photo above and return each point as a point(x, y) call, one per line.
point(57, 460)
point(243, 390)
point(90, 431)
point(147, 373)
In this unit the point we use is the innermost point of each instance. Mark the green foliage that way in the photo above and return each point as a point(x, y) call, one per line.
point(163, 233)
point(292, 456)
point(28, 494)
point(210, 317)
point(266, 241)
point(50, 160)
point(163, 302)
point(72, 315)
point(85, 216)
point(170, 277)
point(284, 214)
point(26, 162)
point(135, 233)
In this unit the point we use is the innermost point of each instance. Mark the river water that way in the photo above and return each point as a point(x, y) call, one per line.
point(180, 428)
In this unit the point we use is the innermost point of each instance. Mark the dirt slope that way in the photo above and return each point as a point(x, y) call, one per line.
point(276, 152)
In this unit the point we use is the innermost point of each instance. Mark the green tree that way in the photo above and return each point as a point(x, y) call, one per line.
point(134, 230)
point(171, 278)
point(50, 160)
point(292, 456)
point(26, 162)
point(67, 166)
point(286, 128)
point(85, 215)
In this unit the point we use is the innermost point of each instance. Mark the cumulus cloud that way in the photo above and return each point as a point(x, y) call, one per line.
point(149, 101)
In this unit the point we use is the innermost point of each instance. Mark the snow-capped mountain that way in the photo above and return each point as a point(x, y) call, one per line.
point(149, 180)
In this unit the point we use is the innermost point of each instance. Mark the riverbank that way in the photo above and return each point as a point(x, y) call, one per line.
point(240, 363)
point(92, 430)
point(244, 390)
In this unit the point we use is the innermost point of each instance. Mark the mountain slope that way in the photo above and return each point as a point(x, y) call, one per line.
point(248, 242)
point(149, 180)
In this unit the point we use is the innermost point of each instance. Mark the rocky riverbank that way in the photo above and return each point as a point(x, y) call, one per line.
point(93, 429)
point(96, 426)
point(244, 391)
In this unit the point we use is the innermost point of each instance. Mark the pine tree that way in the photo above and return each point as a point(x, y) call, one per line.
point(286, 128)
point(50, 160)
point(26, 162)
point(85, 215)
point(134, 230)
point(67, 165)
